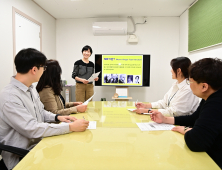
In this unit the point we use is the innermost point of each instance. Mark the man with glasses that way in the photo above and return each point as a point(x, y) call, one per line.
point(203, 129)
point(23, 120)
point(44, 67)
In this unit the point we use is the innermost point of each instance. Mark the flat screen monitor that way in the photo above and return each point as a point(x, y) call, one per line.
point(123, 70)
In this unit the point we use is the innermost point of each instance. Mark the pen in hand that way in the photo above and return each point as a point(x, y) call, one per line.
point(136, 102)
point(85, 119)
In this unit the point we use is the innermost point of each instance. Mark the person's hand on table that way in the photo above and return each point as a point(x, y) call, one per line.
point(67, 119)
point(140, 110)
point(81, 108)
point(77, 103)
point(85, 81)
point(157, 116)
point(140, 105)
point(78, 125)
point(96, 79)
point(181, 129)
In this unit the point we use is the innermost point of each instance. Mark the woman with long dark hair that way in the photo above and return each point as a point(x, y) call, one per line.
point(179, 100)
point(50, 87)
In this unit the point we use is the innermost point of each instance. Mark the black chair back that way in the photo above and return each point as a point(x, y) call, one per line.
point(15, 150)
point(12, 149)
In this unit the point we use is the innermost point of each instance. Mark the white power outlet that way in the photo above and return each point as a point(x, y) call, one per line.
point(133, 38)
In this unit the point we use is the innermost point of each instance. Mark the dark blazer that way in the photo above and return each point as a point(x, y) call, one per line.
point(206, 132)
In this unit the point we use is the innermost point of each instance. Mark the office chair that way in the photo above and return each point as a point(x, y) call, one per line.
point(12, 149)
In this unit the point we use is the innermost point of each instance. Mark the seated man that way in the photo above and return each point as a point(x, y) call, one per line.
point(22, 115)
point(203, 129)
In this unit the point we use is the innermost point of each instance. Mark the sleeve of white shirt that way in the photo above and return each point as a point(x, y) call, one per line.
point(18, 117)
point(161, 104)
point(182, 105)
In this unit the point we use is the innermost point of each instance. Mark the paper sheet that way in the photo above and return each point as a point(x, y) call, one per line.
point(141, 113)
point(92, 125)
point(153, 126)
point(95, 75)
point(87, 101)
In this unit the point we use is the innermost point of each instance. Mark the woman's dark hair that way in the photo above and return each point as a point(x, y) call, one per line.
point(207, 70)
point(183, 63)
point(86, 48)
point(51, 77)
point(130, 77)
point(26, 59)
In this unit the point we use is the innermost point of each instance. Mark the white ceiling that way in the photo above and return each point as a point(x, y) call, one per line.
point(113, 8)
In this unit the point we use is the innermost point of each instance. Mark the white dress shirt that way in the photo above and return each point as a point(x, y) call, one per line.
point(23, 120)
point(178, 101)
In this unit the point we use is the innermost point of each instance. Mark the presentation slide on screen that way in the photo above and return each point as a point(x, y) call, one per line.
point(124, 70)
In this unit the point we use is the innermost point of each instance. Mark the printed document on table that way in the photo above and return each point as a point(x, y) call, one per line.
point(87, 101)
point(92, 125)
point(153, 126)
point(95, 75)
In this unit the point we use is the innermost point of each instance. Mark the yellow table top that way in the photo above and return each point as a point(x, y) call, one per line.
point(116, 144)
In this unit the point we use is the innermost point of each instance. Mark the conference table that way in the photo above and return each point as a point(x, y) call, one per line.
point(116, 144)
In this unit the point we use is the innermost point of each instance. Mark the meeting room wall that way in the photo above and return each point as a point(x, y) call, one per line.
point(159, 38)
point(6, 42)
point(211, 52)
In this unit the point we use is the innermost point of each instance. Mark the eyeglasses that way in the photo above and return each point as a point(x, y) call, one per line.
point(44, 67)
point(188, 81)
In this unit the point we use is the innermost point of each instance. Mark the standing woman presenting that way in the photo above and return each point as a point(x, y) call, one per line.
point(82, 71)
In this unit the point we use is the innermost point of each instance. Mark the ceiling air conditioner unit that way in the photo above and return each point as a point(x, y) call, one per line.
point(110, 28)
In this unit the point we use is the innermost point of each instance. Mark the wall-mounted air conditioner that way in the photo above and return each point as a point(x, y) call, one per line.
point(109, 28)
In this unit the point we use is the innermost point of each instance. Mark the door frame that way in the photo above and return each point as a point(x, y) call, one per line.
point(14, 11)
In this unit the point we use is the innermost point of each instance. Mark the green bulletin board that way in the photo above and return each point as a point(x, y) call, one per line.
point(205, 24)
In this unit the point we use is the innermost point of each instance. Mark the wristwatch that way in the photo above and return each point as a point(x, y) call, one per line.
point(186, 127)
point(56, 117)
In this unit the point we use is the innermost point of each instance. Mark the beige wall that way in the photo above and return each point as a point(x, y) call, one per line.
point(159, 38)
point(6, 42)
